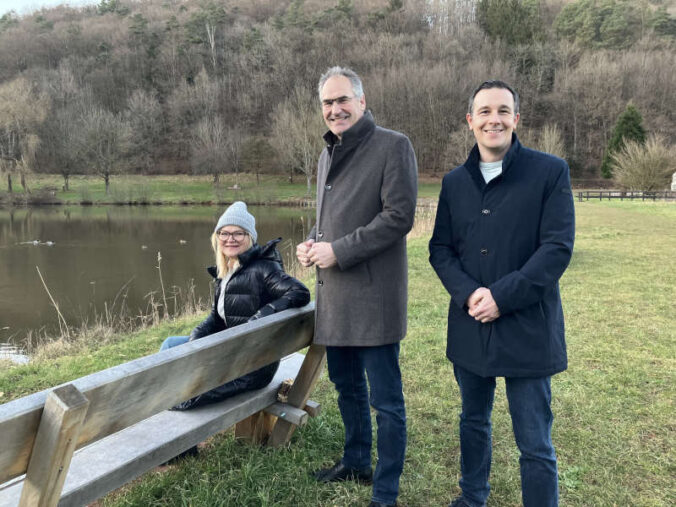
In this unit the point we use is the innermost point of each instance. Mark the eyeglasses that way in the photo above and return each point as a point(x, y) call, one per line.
point(237, 235)
point(341, 101)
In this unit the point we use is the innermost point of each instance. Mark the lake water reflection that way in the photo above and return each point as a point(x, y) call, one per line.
point(88, 256)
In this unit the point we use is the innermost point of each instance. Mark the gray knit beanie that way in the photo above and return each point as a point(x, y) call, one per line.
point(236, 214)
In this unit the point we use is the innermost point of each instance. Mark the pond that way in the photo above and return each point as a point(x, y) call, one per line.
point(98, 260)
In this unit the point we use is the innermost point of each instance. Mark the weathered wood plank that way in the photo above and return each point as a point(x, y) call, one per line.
point(312, 408)
point(128, 393)
point(300, 392)
point(60, 425)
point(288, 413)
point(111, 462)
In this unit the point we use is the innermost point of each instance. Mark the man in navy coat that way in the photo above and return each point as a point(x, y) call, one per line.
point(503, 237)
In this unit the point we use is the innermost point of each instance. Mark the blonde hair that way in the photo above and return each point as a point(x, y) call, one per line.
point(223, 263)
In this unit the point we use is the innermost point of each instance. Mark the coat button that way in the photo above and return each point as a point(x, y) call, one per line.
point(328, 187)
point(320, 234)
point(484, 251)
point(486, 211)
point(320, 282)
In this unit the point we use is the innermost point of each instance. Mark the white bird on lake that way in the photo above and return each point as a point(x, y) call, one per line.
point(182, 241)
point(144, 247)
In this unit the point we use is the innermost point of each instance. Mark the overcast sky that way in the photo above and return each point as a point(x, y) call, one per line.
point(28, 6)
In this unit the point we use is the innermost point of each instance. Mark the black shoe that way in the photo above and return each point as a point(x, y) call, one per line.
point(459, 502)
point(381, 504)
point(340, 472)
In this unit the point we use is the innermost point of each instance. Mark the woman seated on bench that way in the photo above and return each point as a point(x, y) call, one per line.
point(250, 284)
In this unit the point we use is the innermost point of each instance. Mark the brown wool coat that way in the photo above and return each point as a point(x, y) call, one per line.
point(366, 198)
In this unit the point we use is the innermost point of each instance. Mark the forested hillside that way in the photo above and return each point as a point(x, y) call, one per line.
point(213, 86)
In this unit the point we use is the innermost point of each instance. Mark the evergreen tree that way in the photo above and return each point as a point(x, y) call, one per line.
point(663, 23)
point(513, 21)
point(629, 126)
point(611, 24)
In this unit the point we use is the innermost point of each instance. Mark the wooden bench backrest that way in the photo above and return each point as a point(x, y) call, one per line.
point(130, 392)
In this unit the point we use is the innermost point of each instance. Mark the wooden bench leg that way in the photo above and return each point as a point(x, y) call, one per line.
point(255, 428)
point(300, 391)
point(60, 425)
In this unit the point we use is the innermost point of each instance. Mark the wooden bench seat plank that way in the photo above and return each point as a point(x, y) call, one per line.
point(111, 462)
point(130, 392)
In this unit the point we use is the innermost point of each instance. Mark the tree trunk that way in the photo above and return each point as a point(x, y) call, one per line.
point(106, 178)
point(215, 178)
point(23, 183)
point(66, 188)
point(9, 182)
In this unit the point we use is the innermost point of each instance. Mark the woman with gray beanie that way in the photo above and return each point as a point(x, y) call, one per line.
point(250, 284)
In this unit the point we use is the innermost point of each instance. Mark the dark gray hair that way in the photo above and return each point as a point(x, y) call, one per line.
point(494, 83)
point(357, 87)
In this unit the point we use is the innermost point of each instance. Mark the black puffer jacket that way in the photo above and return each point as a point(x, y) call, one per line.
point(260, 287)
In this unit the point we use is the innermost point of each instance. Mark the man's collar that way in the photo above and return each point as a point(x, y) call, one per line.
point(355, 133)
point(472, 163)
point(475, 157)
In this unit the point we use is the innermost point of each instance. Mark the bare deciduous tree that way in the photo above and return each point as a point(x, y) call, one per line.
point(233, 149)
point(145, 118)
point(60, 144)
point(548, 139)
point(189, 103)
point(297, 132)
point(22, 111)
point(103, 138)
point(646, 166)
point(208, 147)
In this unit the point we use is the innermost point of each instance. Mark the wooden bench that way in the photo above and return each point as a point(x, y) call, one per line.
point(118, 422)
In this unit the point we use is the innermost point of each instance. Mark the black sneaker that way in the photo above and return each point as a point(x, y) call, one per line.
point(460, 502)
point(340, 472)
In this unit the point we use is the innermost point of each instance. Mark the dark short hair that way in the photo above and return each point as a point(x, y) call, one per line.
point(493, 83)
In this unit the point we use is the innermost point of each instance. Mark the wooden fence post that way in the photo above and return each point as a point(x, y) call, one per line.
point(300, 392)
point(60, 424)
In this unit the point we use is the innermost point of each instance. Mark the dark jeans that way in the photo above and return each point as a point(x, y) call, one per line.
point(529, 406)
point(249, 382)
point(347, 366)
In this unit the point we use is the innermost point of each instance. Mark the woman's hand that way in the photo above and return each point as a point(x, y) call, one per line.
point(262, 312)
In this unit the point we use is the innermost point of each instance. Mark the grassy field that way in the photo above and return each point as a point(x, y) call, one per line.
point(179, 189)
point(614, 423)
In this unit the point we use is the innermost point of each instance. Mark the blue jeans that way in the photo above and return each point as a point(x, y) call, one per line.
point(347, 366)
point(249, 382)
point(173, 341)
point(529, 406)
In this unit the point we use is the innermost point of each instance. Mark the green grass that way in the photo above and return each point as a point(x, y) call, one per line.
point(614, 425)
point(178, 189)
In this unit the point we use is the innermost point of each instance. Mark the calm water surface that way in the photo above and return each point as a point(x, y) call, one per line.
point(91, 257)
